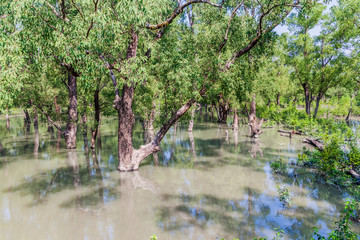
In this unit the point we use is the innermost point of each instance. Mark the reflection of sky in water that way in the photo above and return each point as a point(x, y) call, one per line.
point(207, 199)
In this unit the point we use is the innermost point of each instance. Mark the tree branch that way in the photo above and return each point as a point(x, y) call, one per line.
point(177, 12)
point(49, 119)
point(56, 13)
point(228, 26)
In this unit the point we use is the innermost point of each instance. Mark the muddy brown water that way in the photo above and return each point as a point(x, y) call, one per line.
point(214, 183)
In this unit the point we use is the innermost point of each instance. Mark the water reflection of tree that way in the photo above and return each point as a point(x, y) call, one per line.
point(255, 147)
point(86, 183)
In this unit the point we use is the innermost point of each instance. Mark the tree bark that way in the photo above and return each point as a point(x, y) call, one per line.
point(191, 123)
point(255, 125)
point(236, 121)
point(84, 129)
point(27, 119)
point(278, 99)
point(7, 120)
point(36, 119)
point(71, 129)
point(223, 110)
point(148, 126)
point(94, 130)
point(318, 98)
point(307, 99)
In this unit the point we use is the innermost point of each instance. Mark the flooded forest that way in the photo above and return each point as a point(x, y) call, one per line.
point(187, 119)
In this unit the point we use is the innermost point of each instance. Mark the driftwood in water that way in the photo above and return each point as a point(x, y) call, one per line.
point(255, 126)
point(289, 132)
point(314, 143)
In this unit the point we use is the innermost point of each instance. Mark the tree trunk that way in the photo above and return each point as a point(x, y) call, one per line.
point(253, 123)
point(148, 126)
point(36, 119)
point(351, 107)
point(36, 138)
point(223, 110)
point(236, 121)
point(94, 130)
point(192, 143)
point(84, 126)
point(278, 99)
point(7, 120)
point(307, 99)
point(318, 98)
point(27, 119)
point(268, 104)
point(212, 113)
point(70, 132)
point(191, 123)
point(125, 130)
point(206, 113)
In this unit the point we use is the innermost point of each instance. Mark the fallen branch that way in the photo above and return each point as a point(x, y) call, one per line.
point(354, 174)
point(314, 143)
point(290, 132)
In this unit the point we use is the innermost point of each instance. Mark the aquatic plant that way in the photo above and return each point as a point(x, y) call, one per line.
point(343, 228)
point(284, 195)
point(278, 166)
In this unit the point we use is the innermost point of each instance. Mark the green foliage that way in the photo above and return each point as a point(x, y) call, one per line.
point(343, 228)
point(278, 166)
point(284, 195)
point(153, 237)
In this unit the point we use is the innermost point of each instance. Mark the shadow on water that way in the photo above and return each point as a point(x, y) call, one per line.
point(86, 181)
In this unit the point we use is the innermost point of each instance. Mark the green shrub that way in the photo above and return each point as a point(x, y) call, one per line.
point(278, 166)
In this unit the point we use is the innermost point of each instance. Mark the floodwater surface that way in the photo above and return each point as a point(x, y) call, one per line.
point(210, 184)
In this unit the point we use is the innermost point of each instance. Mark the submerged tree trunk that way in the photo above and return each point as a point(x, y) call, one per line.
point(70, 132)
point(191, 123)
point(223, 109)
point(94, 130)
point(84, 131)
point(36, 139)
point(253, 123)
point(7, 120)
point(36, 119)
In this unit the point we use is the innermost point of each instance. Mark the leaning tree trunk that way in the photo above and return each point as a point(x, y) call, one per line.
point(94, 130)
point(351, 107)
point(70, 132)
point(318, 98)
point(255, 126)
